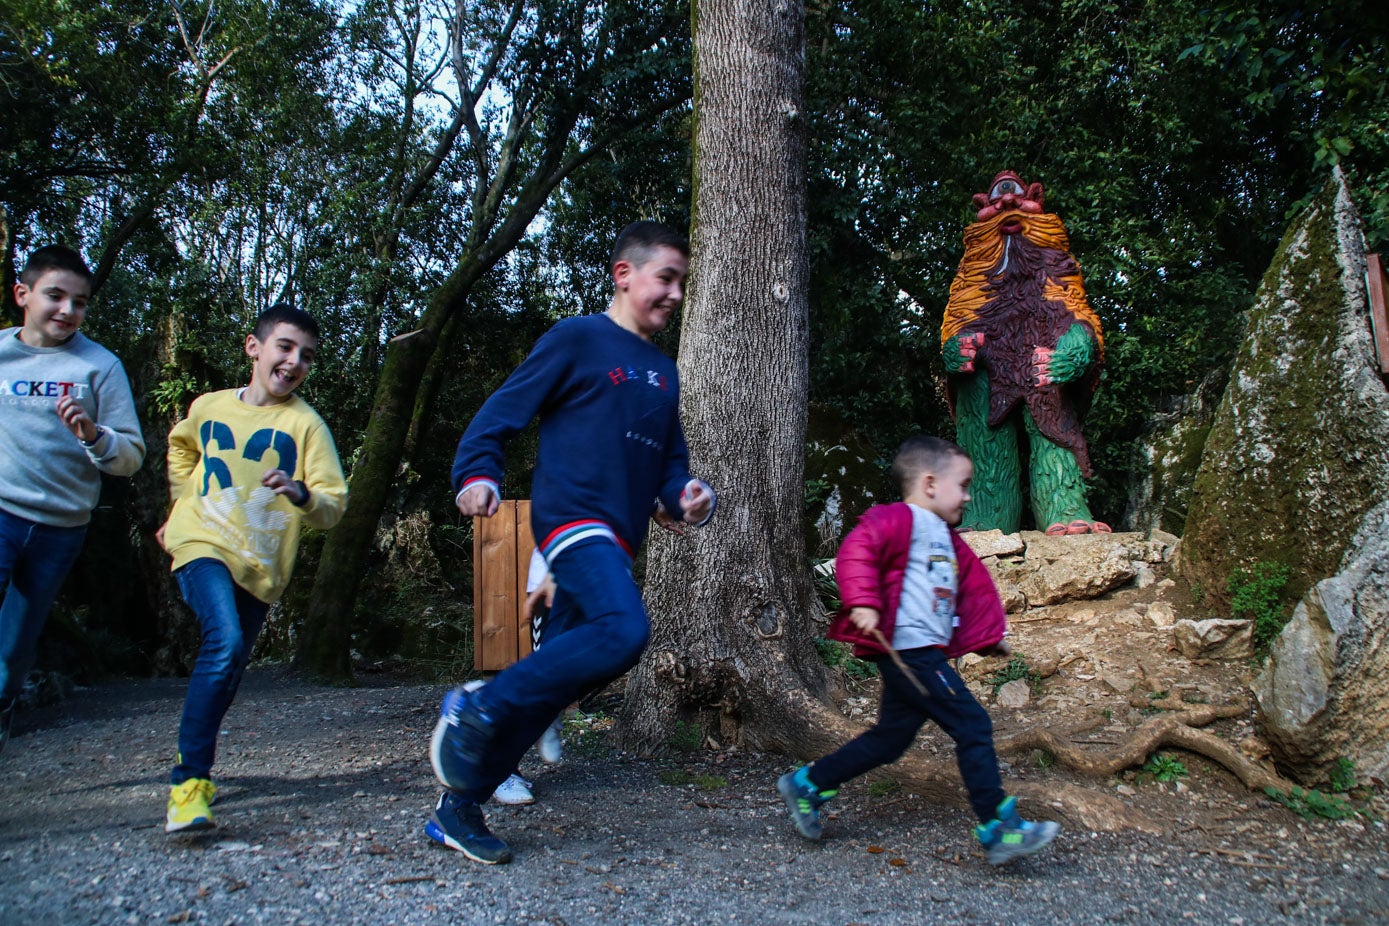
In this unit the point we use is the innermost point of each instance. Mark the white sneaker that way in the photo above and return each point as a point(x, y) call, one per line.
point(515, 790)
point(550, 746)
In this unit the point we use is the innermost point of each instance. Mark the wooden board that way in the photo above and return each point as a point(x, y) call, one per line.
point(1379, 316)
point(502, 546)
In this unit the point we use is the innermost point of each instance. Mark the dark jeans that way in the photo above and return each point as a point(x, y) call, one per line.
point(597, 630)
point(231, 618)
point(34, 560)
point(901, 715)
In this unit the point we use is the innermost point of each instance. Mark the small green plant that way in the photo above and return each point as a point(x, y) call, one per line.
point(677, 778)
point(1016, 668)
point(1312, 804)
point(686, 737)
point(175, 389)
point(584, 734)
point(883, 787)
point(841, 656)
point(1107, 714)
point(826, 586)
point(1164, 767)
point(1256, 594)
point(1045, 758)
point(1342, 777)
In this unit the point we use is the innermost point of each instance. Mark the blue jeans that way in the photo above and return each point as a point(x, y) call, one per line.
point(231, 618)
point(903, 712)
point(34, 560)
point(597, 630)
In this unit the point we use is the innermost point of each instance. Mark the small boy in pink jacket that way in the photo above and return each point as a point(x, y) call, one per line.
point(905, 575)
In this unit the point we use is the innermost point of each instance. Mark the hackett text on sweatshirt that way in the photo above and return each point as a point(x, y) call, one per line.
point(217, 456)
point(46, 474)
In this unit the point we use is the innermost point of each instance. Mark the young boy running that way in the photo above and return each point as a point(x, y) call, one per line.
point(247, 468)
point(610, 445)
point(904, 574)
point(68, 418)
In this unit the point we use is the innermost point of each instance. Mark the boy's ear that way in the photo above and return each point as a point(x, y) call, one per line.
point(928, 484)
point(621, 271)
point(21, 294)
point(252, 347)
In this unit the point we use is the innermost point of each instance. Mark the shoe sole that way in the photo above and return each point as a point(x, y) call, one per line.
point(444, 839)
point(436, 752)
point(785, 788)
point(193, 826)
point(1010, 853)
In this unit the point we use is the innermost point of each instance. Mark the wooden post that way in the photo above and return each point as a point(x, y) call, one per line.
point(1379, 317)
point(502, 546)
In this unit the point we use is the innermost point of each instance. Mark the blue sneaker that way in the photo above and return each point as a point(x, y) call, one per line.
point(459, 824)
point(459, 743)
point(1009, 836)
point(803, 799)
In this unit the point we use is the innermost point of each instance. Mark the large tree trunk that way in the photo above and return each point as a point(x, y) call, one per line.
point(732, 649)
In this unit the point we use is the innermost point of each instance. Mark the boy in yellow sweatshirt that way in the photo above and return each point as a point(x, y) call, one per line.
point(247, 468)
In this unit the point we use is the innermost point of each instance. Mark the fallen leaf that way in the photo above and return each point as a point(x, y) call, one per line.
point(876, 850)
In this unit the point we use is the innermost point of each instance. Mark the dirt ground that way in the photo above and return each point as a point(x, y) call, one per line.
point(324, 793)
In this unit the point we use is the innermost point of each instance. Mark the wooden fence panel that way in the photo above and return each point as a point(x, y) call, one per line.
point(502, 546)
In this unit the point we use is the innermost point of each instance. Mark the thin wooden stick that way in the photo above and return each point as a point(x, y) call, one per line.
point(897, 661)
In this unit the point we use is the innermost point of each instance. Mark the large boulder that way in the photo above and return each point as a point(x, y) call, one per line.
point(1299, 449)
point(1323, 694)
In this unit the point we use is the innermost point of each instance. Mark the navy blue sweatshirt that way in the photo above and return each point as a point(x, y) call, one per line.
point(610, 436)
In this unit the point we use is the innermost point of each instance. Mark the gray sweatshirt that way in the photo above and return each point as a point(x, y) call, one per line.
point(47, 475)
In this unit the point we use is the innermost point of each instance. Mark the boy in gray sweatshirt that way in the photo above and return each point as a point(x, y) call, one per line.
point(68, 417)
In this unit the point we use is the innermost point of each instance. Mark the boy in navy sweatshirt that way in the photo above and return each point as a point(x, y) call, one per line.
point(610, 446)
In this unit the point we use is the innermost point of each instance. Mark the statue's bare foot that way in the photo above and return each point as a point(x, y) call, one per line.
point(1078, 527)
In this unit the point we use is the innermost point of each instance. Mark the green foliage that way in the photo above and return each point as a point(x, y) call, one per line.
point(174, 391)
point(1165, 767)
point(826, 587)
point(585, 734)
point(1016, 668)
point(882, 787)
point(837, 655)
point(1343, 777)
point(1313, 804)
point(1256, 594)
point(678, 778)
point(685, 737)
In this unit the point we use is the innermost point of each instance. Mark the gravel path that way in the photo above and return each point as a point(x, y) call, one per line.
point(324, 793)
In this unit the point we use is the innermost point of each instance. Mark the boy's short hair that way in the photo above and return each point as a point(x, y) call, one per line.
point(283, 312)
point(636, 242)
point(922, 454)
point(54, 257)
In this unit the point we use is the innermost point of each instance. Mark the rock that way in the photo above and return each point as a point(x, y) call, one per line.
point(1082, 615)
point(1254, 748)
point(1214, 639)
point(1128, 618)
point(1322, 694)
point(1078, 567)
point(1144, 575)
point(1169, 541)
point(1014, 601)
point(1121, 683)
point(1015, 694)
point(1298, 451)
point(1161, 615)
point(992, 543)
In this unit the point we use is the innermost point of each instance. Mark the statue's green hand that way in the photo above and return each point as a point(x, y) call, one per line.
point(959, 352)
point(1073, 356)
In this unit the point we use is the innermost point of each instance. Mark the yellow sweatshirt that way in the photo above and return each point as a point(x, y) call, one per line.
point(217, 456)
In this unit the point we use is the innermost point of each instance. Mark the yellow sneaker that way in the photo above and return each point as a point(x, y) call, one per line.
point(188, 806)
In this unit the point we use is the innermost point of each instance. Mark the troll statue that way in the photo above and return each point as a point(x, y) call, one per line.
point(1022, 351)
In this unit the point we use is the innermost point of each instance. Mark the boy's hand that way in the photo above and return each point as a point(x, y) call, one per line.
point(865, 619)
point(159, 536)
point(546, 591)
point(280, 483)
point(695, 502)
point(664, 520)
point(76, 419)
point(478, 501)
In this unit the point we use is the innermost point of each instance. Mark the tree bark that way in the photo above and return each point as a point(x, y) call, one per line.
point(732, 649)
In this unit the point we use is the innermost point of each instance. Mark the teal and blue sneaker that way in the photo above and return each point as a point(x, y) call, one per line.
point(803, 799)
point(1009, 836)
point(459, 824)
